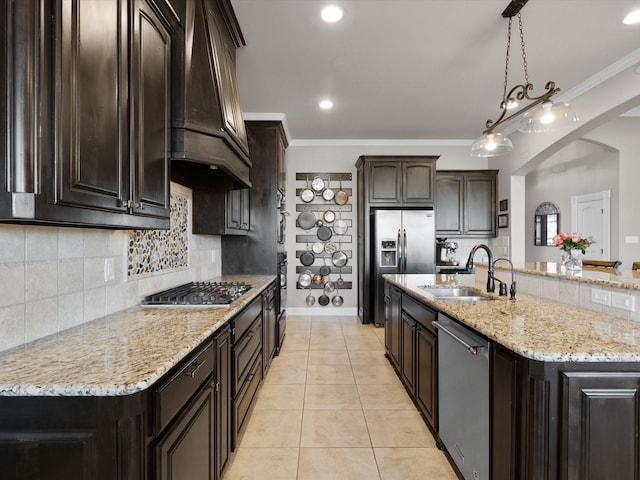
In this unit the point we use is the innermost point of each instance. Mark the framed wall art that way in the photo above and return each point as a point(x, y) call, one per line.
point(503, 220)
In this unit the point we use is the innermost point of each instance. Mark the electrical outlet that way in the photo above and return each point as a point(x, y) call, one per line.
point(623, 301)
point(631, 239)
point(109, 270)
point(601, 297)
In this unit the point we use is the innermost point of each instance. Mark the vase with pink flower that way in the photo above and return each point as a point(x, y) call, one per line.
point(573, 246)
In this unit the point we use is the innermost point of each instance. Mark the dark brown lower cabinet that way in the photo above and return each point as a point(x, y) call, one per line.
point(184, 451)
point(600, 427)
point(548, 420)
point(408, 356)
point(426, 374)
point(222, 386)
point(393, 327)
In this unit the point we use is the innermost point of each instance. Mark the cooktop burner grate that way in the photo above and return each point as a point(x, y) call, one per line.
point(199, 293)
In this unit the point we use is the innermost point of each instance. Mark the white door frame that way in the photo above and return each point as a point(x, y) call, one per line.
point(605, 196)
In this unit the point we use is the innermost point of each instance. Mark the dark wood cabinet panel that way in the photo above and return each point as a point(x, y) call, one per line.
point(208, 127)
point(504, 411)
point(90, 104)
point(466, 203)
point(151, 97)
point(385, 182)
point(185, 450)
point(601, 417)
point(407, 357)
point(270, 327)
point(418, 181)
point(480, 204)
point(96, 117)
point(426, 386)
point(393, 328)
point(222, 385)
point(398, 181)
point(237, 211)
point(449, 204)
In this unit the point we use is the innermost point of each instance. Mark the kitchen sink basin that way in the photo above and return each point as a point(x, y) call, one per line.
point(446, 292)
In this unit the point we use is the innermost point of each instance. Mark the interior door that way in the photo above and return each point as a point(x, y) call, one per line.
point(590, 216)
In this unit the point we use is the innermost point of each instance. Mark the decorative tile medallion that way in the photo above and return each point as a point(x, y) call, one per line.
point(152, 251)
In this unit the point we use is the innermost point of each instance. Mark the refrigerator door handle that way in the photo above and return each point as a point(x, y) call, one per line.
point(400, 254)
point(404, 251)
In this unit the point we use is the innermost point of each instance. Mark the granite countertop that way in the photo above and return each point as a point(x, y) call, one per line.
point(605, 277)
point(533, 327)
point(119, 354)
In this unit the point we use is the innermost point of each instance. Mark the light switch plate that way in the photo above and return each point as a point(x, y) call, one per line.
point(623, 301)
point(109, 269)
point(601, 297)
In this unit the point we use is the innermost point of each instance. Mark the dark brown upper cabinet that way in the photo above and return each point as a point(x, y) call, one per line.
point(87, 135)
point(398, 181)
point(466, 203)
point(208, 127)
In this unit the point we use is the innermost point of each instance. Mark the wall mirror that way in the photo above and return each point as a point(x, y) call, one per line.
point(547, 224)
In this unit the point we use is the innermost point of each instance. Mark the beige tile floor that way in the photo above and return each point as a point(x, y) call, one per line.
point(332, 407)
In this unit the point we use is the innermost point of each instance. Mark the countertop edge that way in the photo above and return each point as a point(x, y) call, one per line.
point(153, 373)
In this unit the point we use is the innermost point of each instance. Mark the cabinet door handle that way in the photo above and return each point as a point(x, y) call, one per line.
point(192, 373)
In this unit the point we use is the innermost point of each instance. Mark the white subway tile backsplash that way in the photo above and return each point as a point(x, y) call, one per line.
point(70, 310)
point(70, 275)
point(95, 242)
point(13, 285)
point(550, 289)
point(41, 243)
point(41, 318)
point(93, 272)
point(53, 278)
point(70, 243)
point(12, 244)
point(12, 326)
point(95, 303)
point(41, 280)
point(569, 293)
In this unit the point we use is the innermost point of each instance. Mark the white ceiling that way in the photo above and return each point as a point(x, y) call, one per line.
point(415, 69)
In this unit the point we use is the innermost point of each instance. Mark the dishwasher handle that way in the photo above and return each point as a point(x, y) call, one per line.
point(472, 349)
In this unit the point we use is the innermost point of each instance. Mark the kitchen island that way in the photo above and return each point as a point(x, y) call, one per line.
point(564, 383)
point(149, 392)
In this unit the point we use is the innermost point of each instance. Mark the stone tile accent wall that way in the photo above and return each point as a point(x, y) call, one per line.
point(152, 251)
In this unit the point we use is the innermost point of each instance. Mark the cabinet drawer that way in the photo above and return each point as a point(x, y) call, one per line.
point(173, 395)
point(419, 312)
point(246, 318)
point(245, 397)
point(244, 352)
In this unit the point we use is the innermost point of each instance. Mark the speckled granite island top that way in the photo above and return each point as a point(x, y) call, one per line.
point(536, 328)
point(119, 354)
point(605, 277)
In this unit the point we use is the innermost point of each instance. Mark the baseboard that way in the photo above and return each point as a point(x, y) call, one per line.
point(322, 311)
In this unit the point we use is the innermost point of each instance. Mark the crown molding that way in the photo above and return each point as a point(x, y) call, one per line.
point(369, 142)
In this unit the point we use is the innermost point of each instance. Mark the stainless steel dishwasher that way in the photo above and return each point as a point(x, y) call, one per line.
point(463, 396)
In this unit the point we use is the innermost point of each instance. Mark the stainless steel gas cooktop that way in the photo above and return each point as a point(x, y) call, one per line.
point(216, 294)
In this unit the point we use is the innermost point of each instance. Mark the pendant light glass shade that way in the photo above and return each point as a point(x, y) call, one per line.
point(491, 145)
point(548, 117)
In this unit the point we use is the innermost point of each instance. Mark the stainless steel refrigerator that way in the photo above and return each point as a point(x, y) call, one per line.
point(403, 242)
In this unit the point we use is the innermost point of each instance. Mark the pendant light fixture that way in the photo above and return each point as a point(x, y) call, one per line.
point(545, 118)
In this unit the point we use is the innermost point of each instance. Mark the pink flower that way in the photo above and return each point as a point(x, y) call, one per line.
point(557, 239)
point(564, 236)
point(576, 237)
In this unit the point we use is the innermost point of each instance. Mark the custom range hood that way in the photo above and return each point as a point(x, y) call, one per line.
point(208, 127)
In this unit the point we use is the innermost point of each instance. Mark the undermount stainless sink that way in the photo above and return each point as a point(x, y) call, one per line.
point(447, 292)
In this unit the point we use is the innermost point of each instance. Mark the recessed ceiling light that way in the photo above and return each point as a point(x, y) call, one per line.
point(633, 17)
point(326, 104)
point(331, 13)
